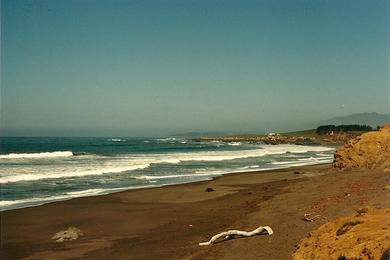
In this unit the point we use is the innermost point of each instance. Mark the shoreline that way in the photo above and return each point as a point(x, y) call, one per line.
point(209, 178)
point(168, 222)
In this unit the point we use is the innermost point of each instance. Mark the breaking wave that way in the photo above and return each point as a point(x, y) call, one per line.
point(117, 140)
point(234, 143)
point(71, 173)
point(11, 204)
point(99, 165)
point(36, 155)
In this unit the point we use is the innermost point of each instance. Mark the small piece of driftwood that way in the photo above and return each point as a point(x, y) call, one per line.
point(230, 233)
point(309, 217)
point(72, 233)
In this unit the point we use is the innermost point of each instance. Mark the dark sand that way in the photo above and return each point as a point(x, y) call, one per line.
point(169, 222)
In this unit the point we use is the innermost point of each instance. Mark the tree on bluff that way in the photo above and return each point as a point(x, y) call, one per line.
point(327, 129)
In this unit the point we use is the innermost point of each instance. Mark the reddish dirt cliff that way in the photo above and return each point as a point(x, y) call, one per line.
point(362, 236)
point(370, 150)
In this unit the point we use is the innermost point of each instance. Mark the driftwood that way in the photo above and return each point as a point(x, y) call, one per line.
point(230, 233)
point(72, 233)
point(311, 217)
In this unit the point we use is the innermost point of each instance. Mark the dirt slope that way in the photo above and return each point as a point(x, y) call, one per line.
point(370, 150)
point(365, 235)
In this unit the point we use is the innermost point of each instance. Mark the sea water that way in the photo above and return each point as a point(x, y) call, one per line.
point(34, 171)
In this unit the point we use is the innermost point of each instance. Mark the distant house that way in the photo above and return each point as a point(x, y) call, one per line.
point(273, 136)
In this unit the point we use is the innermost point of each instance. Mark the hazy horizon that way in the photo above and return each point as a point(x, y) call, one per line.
point(154, 68)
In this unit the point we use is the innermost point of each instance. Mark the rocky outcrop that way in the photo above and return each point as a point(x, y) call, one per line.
point(362, 236)
point(298, 140)
point(370, 150)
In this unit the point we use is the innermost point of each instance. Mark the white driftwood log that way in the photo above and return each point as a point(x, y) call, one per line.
point(228, 234)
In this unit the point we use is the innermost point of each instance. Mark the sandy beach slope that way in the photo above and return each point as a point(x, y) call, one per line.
point(169, 222)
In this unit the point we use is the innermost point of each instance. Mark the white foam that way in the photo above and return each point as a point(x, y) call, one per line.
point(68, 174)
point(316, 159)
point(36, 155)
point(13, 204)
point(292, 156)
point(249, 167)
point(98, 165)
point(117, 140)
point(231, 155)
point(282, 163)
point(105, 165)
point(324, 155)
point(6, 203)
point(169, 139)
point(154, 177)
point(307, 159)
point(302, 162)
point(234, 143)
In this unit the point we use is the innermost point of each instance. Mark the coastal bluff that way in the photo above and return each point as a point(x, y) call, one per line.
point(360, 236)
point(363, 235)
point(370, 151)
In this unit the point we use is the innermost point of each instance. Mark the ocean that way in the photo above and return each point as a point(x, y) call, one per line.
point(35, 171)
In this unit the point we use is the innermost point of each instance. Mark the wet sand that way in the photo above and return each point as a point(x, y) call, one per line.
point(169, 222)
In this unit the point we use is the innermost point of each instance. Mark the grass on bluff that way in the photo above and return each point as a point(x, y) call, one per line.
point(313, 133)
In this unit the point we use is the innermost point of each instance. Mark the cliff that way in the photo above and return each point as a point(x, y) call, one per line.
point(362, 236)
point(370, 150)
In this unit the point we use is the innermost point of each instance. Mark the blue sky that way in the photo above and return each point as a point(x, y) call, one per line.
point(137, 68)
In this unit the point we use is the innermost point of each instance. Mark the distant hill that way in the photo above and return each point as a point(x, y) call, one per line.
point(371, 119)
point(198, 134)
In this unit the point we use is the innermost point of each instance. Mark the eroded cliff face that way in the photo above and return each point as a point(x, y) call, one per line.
point(364, 236)
point(370, 150)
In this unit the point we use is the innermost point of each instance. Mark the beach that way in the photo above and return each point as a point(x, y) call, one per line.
point(169, 222)
point(196, 130)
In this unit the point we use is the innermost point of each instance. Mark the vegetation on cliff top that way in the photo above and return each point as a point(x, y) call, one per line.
point(328, 129)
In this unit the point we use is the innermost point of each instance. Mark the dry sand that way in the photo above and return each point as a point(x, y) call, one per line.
point(169, 222)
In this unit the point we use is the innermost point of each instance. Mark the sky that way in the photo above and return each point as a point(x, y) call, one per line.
point(143, 68)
